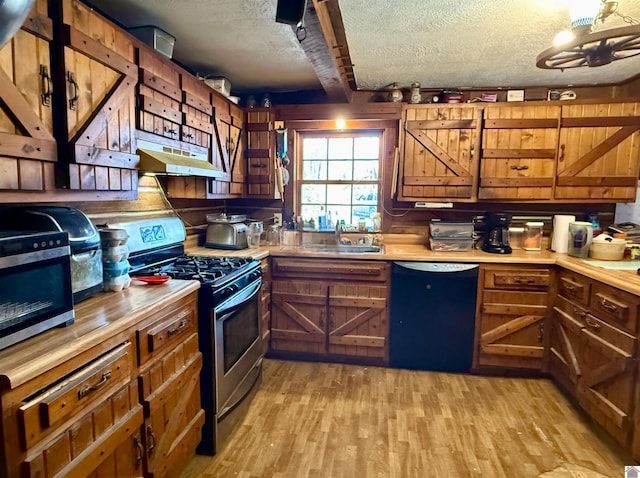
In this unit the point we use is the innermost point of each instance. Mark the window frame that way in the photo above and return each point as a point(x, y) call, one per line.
point(351, 133)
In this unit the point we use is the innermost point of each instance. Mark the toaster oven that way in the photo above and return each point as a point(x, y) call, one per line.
point(35, 273)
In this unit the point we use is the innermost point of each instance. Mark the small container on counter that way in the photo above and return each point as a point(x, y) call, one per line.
point(532, 238)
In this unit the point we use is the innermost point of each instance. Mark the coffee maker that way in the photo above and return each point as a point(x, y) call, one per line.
point(496, 234)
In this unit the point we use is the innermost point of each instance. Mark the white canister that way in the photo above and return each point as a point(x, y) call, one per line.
point(560, 235)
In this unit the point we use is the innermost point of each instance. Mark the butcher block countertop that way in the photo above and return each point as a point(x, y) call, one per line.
point(412, 248)
point(97, 319)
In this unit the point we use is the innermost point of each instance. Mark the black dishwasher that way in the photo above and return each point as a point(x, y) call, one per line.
point(433, 307)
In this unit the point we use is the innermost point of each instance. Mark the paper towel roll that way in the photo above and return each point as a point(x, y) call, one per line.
point(560, 238)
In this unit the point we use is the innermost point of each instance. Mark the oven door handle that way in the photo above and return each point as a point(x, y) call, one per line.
point(237, 300)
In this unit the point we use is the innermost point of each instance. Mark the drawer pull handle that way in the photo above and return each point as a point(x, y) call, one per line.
point(608, 306)
point(593, 324)
point(73, 98)
point(523, 280)
point(579, 313)
point(519, 168)
point(170, 130)
point(175, 330)
point(139, 450)
point(151, 440)
point(569, 287)
point(45, 86)
point(87, 389)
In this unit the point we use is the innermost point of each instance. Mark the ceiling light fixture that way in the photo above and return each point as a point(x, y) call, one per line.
point(584, 45)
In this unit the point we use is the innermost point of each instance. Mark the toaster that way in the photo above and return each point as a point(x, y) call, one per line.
point(226, 235)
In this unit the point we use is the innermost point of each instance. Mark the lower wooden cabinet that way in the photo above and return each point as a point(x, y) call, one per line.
point(593, 353)
point(330, 309)
point(265, 305)
point(512, 317)
point(126, 404)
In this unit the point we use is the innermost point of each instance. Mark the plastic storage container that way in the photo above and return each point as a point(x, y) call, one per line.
point(532, 239)
point(450, 245)
point(607, 248)
point(451, 230)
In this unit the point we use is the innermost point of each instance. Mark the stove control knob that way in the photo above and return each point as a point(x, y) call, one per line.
point(232, 289)
point(254, 275)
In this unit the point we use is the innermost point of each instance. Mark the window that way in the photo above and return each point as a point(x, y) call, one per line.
point(339, 177)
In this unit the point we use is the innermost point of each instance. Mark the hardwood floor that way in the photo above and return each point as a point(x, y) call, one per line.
point(332, 420)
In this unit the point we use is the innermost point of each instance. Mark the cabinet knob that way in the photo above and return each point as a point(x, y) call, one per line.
point(561, 157)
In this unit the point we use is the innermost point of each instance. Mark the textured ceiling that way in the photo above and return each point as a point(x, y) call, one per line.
point(440, 43)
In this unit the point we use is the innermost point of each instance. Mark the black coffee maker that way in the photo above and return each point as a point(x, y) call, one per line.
point(496, 234)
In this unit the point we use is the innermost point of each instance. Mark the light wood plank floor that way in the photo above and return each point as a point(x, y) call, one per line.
point(331, 421)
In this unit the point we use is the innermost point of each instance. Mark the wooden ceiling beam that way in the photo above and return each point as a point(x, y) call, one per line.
point(319, 42)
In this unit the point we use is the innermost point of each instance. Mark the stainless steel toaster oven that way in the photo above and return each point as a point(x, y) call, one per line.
point(35, 273)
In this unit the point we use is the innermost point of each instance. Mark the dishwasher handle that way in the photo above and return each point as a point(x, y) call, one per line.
point(440, 267)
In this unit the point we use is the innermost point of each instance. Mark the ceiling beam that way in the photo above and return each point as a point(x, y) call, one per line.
point(318, 42)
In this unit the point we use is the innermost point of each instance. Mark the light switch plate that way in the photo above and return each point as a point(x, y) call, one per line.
point(277, 219)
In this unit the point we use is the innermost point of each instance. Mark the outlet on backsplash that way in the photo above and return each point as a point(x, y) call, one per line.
point(277, 219)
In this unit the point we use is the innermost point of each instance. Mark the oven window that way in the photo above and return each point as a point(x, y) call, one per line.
point(33, 293)
point(240, 330)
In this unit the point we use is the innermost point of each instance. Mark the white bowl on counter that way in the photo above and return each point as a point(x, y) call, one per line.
point(607, 248)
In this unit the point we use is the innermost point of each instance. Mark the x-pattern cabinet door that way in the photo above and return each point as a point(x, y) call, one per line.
point(298, 316)
point(599, 151)
point(440, 159)
point(564, 343)
point(358, 320)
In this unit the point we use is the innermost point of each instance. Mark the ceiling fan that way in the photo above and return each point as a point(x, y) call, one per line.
point(584, 46)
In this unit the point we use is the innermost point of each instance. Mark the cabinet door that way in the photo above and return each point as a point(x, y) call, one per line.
point(564, 343)
point(170, 390)
point(261, 154)
point(27, 145)
point(99, 102)
point(606, 389)
point(236, 152)
point(358, 320)
point(599, 152)
point(265, 305)
point(512, 330)
point(518, 152)
point(440, 153)
point(298, 316)
point(197, 112)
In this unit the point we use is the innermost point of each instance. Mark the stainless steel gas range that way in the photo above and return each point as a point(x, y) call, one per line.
point(228, 320)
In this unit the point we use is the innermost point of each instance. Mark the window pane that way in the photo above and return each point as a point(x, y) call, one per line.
point(365, 194)
point(340, 148)
point(340, 212)
point(365, 170)
point(315, 148)
point(313, 193)
point(309, 211)
point(314, 170)
point(340, 170)
point(338, 194)
point(363, 212)
point(366, 147)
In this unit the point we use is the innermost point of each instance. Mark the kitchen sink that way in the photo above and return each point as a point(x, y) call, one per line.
point(344, 248)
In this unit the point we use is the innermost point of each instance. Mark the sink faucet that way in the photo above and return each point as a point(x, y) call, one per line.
point(338, 231)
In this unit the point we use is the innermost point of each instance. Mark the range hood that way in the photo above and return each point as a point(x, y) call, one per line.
point(159, 159)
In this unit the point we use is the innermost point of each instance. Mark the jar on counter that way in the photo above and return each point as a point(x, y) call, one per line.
point(532, 240)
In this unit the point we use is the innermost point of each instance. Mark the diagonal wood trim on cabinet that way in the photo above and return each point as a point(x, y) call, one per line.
point(14, 103)
point(356, 321)
point(607, 145)
point(95, 50)
point(295, 315)
point(449, 162)
point(508, 328)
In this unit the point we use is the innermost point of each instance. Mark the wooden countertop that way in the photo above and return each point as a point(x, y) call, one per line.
point(97, 319)
point(627, 280)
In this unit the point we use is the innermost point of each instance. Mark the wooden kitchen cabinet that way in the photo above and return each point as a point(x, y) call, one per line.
point(512, 318)
point(112, 395)
point(28, 149)
point(94, 97)
point(169, 383)
point(593, 352)
point(260, 154)
point(440, 150)
point(265, 304)
point(599, 152)
point(325, 309)
point(518, 152)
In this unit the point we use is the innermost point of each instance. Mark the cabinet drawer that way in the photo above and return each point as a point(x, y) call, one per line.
point(516, 279)
point(334, 270)
point(574, 287)
point(166, 330)
point(610, 335)
point(574, 312)
point(615, 306)
point(87, 386)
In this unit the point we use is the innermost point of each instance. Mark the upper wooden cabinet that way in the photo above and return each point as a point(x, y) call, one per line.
point(440, 146)
point(518, 152)
point(95, 77)
point(261, 154)
point(538, 151)
point(599, 152)
point(27, 145)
